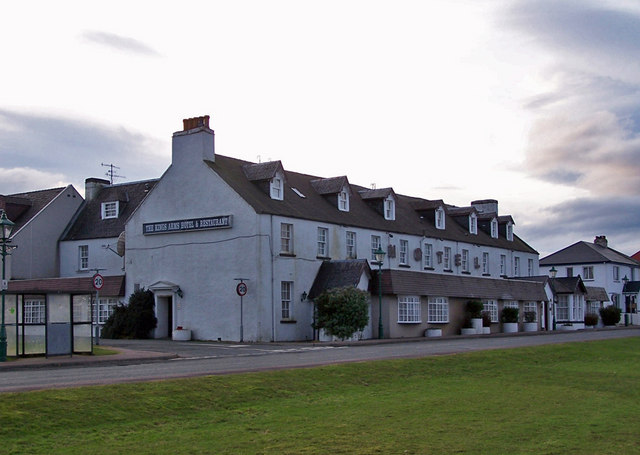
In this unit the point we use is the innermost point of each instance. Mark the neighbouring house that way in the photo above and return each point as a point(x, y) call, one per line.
point(599, 266)
point(211, 222)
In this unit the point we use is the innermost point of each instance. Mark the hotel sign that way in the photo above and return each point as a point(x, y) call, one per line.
point(191, 224)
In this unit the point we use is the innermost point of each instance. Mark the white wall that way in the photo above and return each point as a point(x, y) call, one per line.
point(101, 258)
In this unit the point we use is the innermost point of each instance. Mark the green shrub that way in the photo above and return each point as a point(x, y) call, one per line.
point(486, 319)
point(610, 315)
point(135, 320)
point(590, 319)
point(474, 309)
point(509, 314)
point(342, 311)
point(529, 316)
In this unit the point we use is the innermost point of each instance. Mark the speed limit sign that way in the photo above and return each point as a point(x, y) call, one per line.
point(98, 281)
point(241, 289)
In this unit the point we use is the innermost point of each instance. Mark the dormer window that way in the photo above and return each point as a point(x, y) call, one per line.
point(494, 228)
point(389, 208)
point(110, 210)
point(510, 232)
point(439, 218)
point(343, 200)
point(276, 188)
point(473, 224)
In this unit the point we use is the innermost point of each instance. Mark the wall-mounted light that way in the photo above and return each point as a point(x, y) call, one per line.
point(553, 272)
point(303, 297)
point(179, 292)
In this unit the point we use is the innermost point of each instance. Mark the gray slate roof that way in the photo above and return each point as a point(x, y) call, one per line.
point(398, 282)
point(337, 274)
point(597, 294)
point(567, 285)
point(315, 206)
point(22, 207)
point(88, 222)
point(586, 253)
point(632, 286)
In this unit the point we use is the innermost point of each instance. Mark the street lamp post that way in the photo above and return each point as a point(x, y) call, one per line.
point(6, 225)
point(553, 273)
point(379, 254)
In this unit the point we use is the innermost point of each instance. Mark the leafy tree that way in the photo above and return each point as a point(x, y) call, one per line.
point(610, 315)
point(342, 311)
point(135, 320)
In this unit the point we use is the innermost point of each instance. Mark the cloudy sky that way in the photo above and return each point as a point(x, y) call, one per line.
point(533, 103)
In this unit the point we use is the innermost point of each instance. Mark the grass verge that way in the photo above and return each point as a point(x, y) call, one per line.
point(578, 398)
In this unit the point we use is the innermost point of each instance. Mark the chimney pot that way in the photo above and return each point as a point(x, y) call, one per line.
point(601, 240)
point(195, 122)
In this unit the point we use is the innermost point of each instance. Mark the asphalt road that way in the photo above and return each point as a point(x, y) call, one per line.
point(202, 358)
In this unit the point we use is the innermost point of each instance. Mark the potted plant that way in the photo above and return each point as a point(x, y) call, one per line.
point(590, 320)
point(486, 322)
point(530, 323)
point(467, 328)
point(433, 332)
point(509, 319)
point(474, 309)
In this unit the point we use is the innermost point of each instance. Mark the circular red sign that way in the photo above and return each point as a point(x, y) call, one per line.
point(241, 289)
point(98, 281)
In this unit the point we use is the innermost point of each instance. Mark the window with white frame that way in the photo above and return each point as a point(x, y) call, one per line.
point(494, 228)
point(375, 244)
point(531, 307)
point(616, 273)
point(473, 223)
point(343, 200)
point(578, 307)
point(351, 245)
point(34, 311)
point(286, 238)
point(485, 263)
point(510, 232)
point(428, 255)
point(110, 209)
point(404, 252)
point(465, 260)
point(323, 247)
point(286, 288)
point(516, 266)
point(562, 308)
point(389, 208)
point(593, 307)
point(587, 272)
point(529, 267)
point(446, 258)
point(440, 218)
point(83, 257)
point(106, 305)
point(503, 264)
point(276, 188)
point(491, 307)
point(438, 309)
point(409, 309)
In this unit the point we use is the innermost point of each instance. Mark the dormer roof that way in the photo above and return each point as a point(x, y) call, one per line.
point(380, 193)
point(504, 219)
point(331, 185)
point(461, 211)
point(426, 205)
point(257, 172)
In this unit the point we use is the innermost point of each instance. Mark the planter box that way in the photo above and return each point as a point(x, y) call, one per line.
point(476, 323)
point(509, 327)
point(181, 335)
point(530, 326)
point(468, 331)
point(486, 330)
point(431, 333)
point(567, 328)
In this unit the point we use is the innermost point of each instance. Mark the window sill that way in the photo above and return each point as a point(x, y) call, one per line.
point(323, 258)
point(437, 322)
point(465, 273)
point(288, 321)
point(287, 255)
point(486, 274)
point(428, 268)
point(448, 271)
point(409, 322)
point(404, 266)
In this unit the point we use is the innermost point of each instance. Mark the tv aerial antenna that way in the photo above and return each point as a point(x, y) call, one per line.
point(111, 173)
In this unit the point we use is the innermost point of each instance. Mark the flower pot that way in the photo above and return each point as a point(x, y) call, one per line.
point(468, 331)
point(181, 335)
point(431, 333)
point(530, 326)
point(509, 327)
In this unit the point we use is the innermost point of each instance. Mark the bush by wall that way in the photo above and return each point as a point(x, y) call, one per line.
point(610, 315)
point(341, 312)
point(135, 320)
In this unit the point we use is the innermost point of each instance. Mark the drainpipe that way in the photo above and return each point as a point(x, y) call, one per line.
point(271, 261)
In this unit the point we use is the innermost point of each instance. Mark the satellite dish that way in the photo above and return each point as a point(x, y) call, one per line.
point(120, 244)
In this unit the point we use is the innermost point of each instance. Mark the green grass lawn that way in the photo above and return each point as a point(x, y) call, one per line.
point(578, 398)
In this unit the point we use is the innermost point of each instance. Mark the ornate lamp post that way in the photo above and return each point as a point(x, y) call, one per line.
point(6, 226)
point(553, 273)
point(379, 254)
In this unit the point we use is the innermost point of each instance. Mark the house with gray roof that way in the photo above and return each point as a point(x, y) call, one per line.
point(212, 220)
point(599, 266)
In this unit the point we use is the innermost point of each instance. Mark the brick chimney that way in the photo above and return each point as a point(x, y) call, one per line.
point(92, 187)
point(601, 240)
point(195, 143)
